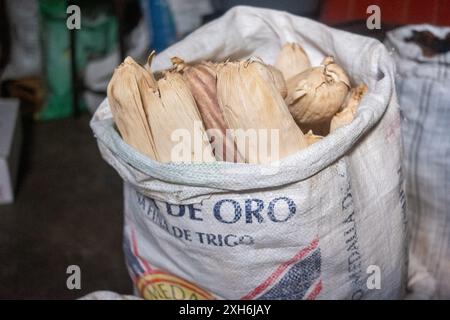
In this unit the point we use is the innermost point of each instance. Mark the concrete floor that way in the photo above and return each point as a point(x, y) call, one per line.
point(68, 211)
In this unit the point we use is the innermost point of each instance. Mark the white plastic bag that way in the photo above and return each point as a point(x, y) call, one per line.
point(328, 222)
point(108, 295)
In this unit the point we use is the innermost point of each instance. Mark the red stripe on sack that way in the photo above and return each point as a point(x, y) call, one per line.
point(315, 292)
point(147, 267)
point(281, 268)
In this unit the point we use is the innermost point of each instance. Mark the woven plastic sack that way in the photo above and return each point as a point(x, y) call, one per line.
point(423, 86)
point(326, 222)
point(107, 295)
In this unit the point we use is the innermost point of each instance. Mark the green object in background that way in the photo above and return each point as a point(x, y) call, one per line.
point(96, 38)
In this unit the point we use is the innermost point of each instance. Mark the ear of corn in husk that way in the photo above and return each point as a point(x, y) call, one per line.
point(292, 60)
point(177, 114)
point(201, 79)
point(275, 76)
point(167, 113)
point(349, 108)
point(250, 102)
point(127, 106)
point(316, 94)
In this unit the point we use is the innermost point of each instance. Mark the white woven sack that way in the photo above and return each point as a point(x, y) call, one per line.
point(325, 223)
point(423, 85)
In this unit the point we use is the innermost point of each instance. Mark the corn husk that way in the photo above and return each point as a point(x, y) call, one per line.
point(151, 115)
point(312, 138)
point(315, 95)
point(278, 79)
point(349, 108)
point(354, 98)
point(171, 110)
point(201, 79)
point(127, 106)
point(251, 102)
point(292, 60)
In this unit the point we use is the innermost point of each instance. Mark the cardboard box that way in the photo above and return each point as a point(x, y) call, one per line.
point(10, 143)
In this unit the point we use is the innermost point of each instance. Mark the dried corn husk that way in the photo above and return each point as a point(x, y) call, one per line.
point(316, 94)
point(125, 100)
point(148, 112)
point(172, 113)
point(278, 79)
point(349, 108)
point(250, 101)
point(354, 97)
point(312, 138)
point(201, 79)
point(292, 60)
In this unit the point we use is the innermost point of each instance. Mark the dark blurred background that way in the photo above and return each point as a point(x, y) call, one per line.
point(64, 205)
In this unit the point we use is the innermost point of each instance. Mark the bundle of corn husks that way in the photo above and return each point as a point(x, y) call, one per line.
point(154, 116)
point(251, 100)
point(320, 98)
point(236, 111)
